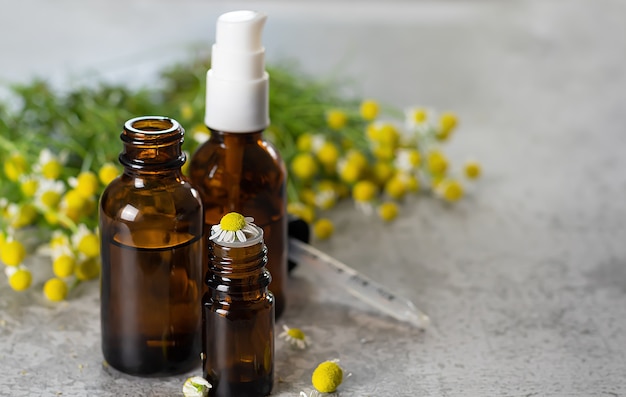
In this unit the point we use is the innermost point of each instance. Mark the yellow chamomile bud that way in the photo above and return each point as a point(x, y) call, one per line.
point(304, 143)
point(89, 245)
point(232, 221)
point(73, 200)
point(55, 289)
point(327, 377)
point(369, 109)
point(107, 173)
point(395, 187)
point(304, 166)
point(328, 154)
point(437, 162)
point(28, 186)
point(388, 211)
point(15, 166)
point(63, 265)
point(336, 119)
point(419, 115)
point(52, 169)
point(389, 136)
point(447, 122)
point(323, 229)
point(364, 191)
point(25, 216)
point(12, 253)
point(186, 111)
point(382, 172)
point(87, 269)
point(472, 169)
point(87, 184)
point(302, 211)
point(450, 190)
point(20, 279)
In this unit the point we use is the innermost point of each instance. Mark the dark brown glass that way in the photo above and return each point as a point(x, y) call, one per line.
point(242, 172)
point(151, 225)
point(238, 320)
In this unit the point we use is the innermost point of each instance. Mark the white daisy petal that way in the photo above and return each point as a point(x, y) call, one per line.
point(240, 235)
point(230, 236)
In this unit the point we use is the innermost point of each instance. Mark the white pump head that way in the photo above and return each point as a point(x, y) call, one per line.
point(237, 84)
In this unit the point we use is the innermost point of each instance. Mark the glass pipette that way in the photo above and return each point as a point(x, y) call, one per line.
point(361, 287)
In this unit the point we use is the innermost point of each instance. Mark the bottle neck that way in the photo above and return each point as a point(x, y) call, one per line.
point(152, 144)
point(238, 272)
point(240, 138)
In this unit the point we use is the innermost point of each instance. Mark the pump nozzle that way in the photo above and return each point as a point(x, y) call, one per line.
point(237, 83)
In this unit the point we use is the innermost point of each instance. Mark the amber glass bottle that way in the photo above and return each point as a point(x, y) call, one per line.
point(238, 319)
point(151, 226)
point(242, 172)
point(237, 169)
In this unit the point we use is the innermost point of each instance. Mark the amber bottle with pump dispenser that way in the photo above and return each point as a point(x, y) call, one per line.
point(237, 169)
point(151, 226)
point(238, 317)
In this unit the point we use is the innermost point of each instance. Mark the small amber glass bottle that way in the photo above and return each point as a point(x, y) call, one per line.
point(151, 226)
point(238, 319)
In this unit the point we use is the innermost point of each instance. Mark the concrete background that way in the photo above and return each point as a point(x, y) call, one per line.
point(525, 280)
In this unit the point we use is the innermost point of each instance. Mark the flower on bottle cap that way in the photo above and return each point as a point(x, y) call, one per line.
point(196, 386)
point(233, 227)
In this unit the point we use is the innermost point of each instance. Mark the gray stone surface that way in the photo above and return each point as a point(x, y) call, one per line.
point(525, 280)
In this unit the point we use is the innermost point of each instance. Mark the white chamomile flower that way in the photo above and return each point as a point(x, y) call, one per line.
point(295, 337)
point(49, 192)
point(196, 386)
point(317, 141)
point(313, 393)
point(233, 227)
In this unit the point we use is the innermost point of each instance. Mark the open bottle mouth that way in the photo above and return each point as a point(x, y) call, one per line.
point(151, 125)
point(152, 143)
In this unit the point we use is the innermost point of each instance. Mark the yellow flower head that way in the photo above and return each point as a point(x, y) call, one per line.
point(107, 173)
point(302, 211)
point(382, 172)
point(295, 337)
point(304, 166)
point(369, 109)
point(328, 154)
point(304, 143)
point(15, 166)
point(233, 226)
point(74, 200)
point(396, 187)
point(87, 184)
point(447, 121)
point(63, 265)
point(323, 228)
point(20, 279)
point(327, 377)
point(86, 242)
point(472, 169)
point(364, 191)
point(336, 119)
point(388, 211)
point(12, 253)
point(49, 165)
point(28, 186)
point(437, 162)
point(22, 215)
point(87, 269)
point(55, 289)
point(450, 190)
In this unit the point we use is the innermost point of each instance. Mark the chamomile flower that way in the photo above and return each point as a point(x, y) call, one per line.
point(49, 193)
point(313, 393)
point(15, 166)
point(418, 118)
point(86, 241)
point(369, 109)
point(327, 376)
point(304, 166)
point(55, 289)
point(233, 227)
point(20, 277)
point(336, 119)
point(196, 386)
point(407, 159)
point(295, 337)
point(323, 228)
point(49, 165)
point(12, 253)
point(107, 173)
point(86, 183)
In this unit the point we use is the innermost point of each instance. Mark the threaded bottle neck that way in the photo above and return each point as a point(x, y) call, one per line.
point(152, 144)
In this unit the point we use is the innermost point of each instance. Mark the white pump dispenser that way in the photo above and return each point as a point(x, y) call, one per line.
point(237, 89)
